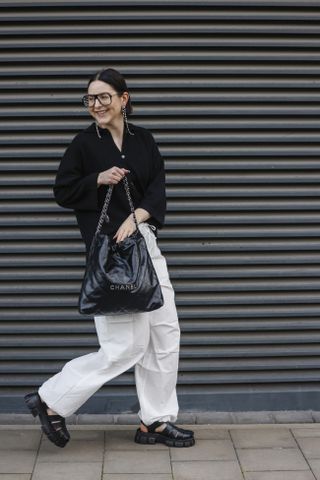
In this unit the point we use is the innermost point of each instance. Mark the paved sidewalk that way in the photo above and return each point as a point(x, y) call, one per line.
point(107, 452)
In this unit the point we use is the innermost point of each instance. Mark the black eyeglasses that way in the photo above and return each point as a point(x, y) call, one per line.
point(104, 99)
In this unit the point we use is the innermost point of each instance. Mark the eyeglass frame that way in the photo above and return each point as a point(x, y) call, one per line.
point(96, 96)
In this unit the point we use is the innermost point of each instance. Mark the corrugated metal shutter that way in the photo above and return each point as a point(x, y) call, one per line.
point(230, 90)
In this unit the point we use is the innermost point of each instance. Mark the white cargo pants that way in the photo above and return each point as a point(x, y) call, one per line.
point(149, 341)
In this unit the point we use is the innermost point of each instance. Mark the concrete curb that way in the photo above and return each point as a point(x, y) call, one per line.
point(190, 418)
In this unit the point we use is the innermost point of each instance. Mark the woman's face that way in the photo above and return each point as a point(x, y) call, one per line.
point(109, 112)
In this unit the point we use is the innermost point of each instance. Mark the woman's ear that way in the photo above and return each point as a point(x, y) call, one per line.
point(125, 98)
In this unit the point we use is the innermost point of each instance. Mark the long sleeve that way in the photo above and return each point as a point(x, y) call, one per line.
point(73, 189)
point(154, 199)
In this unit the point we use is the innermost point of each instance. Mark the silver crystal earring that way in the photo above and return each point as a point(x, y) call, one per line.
point(97, 130)
point(124, 113)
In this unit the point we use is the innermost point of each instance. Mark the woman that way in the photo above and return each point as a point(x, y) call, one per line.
point(98, 156)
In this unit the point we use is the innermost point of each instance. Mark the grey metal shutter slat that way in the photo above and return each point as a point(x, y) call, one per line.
point(230, 90)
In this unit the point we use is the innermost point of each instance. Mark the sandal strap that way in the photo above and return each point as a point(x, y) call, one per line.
point(153, 426)
point(57, 422)
point(170, 430)
point(55, 417)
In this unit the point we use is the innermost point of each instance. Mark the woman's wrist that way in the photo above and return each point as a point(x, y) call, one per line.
point(99, 180)
point(141, 215)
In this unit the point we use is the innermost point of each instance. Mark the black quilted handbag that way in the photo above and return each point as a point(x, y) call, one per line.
point(120, 277)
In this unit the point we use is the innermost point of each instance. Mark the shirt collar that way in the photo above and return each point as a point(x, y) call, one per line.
point(105, 131)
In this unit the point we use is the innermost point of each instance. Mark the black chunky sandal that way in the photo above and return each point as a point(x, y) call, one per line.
point(54, 426)
point(171, 435)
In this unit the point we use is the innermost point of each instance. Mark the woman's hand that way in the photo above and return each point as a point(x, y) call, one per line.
point(111, 176)
point(129, 226)
point(125, 229)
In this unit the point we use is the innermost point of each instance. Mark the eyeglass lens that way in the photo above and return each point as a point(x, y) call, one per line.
point(103, 98)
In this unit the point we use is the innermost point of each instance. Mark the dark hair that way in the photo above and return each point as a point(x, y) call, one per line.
point(114, 78)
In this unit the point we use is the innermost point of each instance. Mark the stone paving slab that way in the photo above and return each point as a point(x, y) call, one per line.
point(187, 417)
point(284, 475)
point(210, 433)
point(137, 476)
point(124, 440)
point(306, 432)
point(15, 476)
point(316, 416)
point(88, 435)
point(213, 418)
point(17, 461)
point(108, 452)
point(137, 462)
point(310, 446)
point(315, 466)
point(292, 416)
point(16, 419)
point(205, 450)
point(68, 471)
point(252, 417)
point(94, 419)
point(206, 471)
point(262, 438)
point(15, 439)
point(259, 459)
point(76, 450)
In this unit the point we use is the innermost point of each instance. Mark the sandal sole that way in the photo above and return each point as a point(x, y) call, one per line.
point(152, 438)
point(34, 404)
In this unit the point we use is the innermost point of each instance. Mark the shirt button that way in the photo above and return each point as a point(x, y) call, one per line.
point(123, 156)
